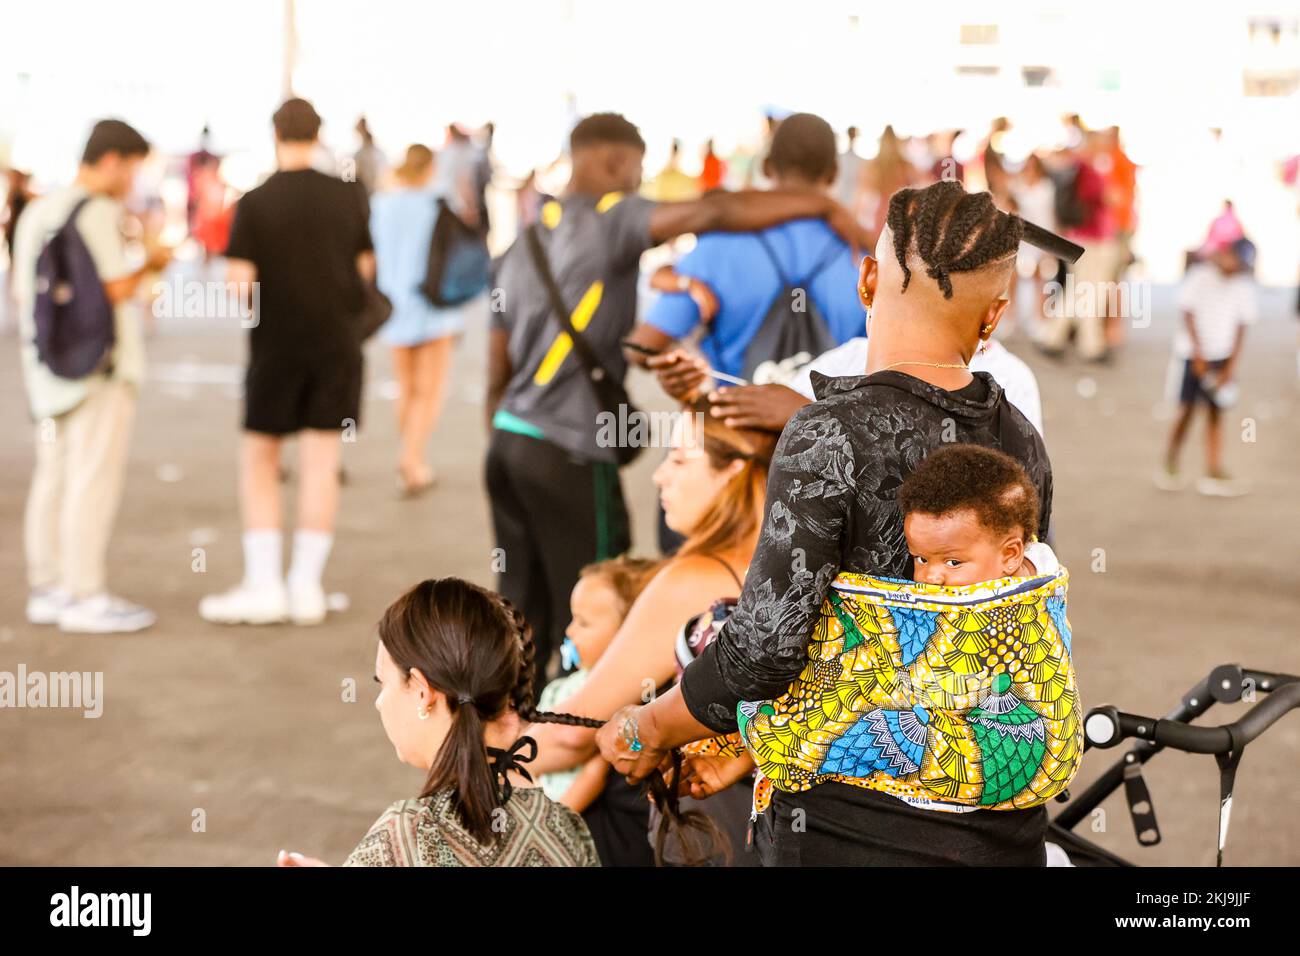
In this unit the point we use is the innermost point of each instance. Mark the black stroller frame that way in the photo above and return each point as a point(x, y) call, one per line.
point(1106, 727)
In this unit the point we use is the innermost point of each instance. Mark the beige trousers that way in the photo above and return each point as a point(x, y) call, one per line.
point(76, 488)
point(1084, 311)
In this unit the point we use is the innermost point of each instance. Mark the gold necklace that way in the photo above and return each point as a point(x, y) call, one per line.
point(926, 364)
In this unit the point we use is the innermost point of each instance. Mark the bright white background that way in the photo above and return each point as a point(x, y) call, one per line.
point(1166, 72)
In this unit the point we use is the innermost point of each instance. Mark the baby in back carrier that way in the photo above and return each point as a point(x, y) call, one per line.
point(955, 690)
point(969, 515)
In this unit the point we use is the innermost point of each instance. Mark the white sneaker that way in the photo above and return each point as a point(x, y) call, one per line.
point(1170, 479)
point(307, 603)
point(266, 604)
point(1221, 486)
point(104, 614)
point(44, 605)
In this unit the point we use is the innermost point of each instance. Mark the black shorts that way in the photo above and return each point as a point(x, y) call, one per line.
point(1192, 390)
point(284, 394)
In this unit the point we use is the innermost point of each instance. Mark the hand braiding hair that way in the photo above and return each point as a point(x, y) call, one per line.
point(951, 230)
point(673, 820)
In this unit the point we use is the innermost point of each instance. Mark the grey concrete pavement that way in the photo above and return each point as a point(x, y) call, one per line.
point(259, 735)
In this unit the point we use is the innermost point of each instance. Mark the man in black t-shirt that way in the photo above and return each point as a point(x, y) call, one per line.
point(303, 237)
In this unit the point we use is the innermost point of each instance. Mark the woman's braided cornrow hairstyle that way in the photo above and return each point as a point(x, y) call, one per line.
point(951, 230)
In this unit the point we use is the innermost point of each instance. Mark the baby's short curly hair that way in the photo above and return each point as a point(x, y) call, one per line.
point(969, 477)
point(627, 575)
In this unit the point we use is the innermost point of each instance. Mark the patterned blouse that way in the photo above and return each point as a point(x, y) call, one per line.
point(832, 507)
point(425, 832)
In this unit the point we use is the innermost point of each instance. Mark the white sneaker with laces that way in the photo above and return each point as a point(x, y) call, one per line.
point(243, 604)
point(307, 603)
point(45, 604)
point(104, 614)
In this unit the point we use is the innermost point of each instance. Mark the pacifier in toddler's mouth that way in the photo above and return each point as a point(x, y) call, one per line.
point(569, 658)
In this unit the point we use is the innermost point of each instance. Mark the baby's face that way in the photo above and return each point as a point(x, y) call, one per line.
point(597, 615)
point(955, 549)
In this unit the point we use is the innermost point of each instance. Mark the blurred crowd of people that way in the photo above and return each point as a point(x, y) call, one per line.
point(1084, 186)
point(855, 297)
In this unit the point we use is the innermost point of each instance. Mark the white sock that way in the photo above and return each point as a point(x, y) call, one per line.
point(311, 549)
point(263, 558)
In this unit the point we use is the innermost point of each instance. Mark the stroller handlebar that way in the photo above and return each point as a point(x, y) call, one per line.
point(1106, 726)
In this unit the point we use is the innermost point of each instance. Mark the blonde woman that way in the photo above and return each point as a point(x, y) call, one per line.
point(711, 487)
point(421, 334)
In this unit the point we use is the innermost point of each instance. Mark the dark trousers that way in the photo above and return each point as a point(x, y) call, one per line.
point(552, 513)
point(838, 824)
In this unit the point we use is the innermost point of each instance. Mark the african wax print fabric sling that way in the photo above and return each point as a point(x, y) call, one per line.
point(951, 698)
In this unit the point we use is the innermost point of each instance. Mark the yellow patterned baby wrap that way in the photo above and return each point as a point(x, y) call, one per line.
point(948, 697)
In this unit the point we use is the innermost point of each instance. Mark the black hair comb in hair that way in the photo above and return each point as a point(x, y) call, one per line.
point(1048, 241)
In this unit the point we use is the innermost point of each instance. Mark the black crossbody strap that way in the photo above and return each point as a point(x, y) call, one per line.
point(590, 362)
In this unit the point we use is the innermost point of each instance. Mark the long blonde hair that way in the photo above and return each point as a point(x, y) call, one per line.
point(734, 516)
point(418, 160)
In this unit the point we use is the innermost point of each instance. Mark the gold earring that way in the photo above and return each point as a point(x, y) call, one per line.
point(986, 330)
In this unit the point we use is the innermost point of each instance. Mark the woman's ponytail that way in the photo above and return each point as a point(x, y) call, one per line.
point(462, 767)
point(475, 648)
point(451, 631)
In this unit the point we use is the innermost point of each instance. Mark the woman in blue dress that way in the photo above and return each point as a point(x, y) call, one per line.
point(420, 333)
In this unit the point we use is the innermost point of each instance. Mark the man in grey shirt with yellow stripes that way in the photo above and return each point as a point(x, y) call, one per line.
point(555, 495)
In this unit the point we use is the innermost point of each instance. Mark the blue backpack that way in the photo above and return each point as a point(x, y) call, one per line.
point(459, 265)
point(73, 317)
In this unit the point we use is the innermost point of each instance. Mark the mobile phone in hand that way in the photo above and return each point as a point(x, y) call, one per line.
point(638, 347)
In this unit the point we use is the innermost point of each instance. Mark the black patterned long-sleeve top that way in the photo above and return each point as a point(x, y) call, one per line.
point(832, 507)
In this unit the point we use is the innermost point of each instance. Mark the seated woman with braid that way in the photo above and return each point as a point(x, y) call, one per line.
point(455, 666)
point(899, 723)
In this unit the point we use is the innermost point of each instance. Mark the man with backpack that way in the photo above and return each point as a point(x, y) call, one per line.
point(785, 294)
point(82, 361)
point(556, 500)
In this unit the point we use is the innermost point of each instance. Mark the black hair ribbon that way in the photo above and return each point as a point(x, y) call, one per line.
point(501, 762)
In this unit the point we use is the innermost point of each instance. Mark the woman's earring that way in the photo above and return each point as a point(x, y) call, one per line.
point(422, 713)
